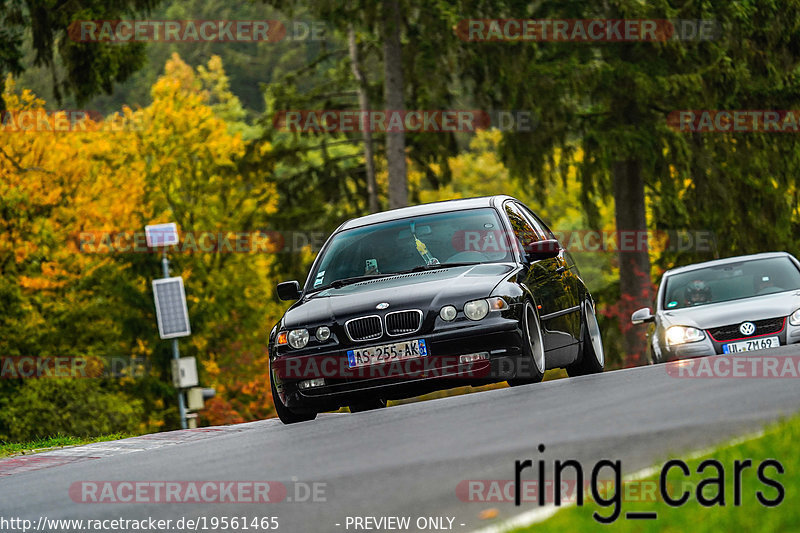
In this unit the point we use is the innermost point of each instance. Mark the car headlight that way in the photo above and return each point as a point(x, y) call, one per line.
point(448, 313)
point(298, 338)
point(323, 333)
point(476, 309)
point(794, 318)
point(684, 334)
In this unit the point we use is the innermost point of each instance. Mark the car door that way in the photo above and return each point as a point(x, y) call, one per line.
point(544, 279)
point(570, 276)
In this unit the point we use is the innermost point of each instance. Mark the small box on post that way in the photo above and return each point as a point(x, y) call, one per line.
point(184, 372)
point(196, 397)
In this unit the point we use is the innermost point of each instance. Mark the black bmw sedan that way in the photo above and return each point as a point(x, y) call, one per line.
point(423, 298)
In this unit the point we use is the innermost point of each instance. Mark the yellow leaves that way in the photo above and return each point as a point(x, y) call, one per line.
point(142, 349)
point(39, 284)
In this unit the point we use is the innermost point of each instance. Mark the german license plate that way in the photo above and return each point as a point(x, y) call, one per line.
point(387, 353)
point(755, 344)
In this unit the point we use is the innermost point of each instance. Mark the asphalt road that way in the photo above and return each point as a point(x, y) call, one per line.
point(408, 460)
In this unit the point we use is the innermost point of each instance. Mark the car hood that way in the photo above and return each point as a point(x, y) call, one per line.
point(735, 311)
point(425, 290)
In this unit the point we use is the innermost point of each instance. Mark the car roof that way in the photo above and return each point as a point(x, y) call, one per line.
point(727, 260)
point(425, 209)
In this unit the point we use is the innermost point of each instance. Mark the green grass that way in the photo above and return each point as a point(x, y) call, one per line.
point(59, 441)
point(779, 442)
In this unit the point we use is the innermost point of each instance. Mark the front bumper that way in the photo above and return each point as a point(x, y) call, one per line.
point(499, 340)
point(709, 346)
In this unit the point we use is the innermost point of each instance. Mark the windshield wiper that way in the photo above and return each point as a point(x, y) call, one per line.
point(339, 283)
point(436, 266)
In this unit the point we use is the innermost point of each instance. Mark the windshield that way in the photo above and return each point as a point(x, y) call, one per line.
point(731, 282)
point(403, 245)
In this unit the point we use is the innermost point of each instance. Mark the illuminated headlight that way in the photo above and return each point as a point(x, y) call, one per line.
point(448, 313)
point(323, 333)
point(476, 309)
point(684, 334)
point(794, 318)
point(298, 338)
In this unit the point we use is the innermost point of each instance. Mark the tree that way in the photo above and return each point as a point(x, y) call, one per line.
point(394, 89)
point(88, 67)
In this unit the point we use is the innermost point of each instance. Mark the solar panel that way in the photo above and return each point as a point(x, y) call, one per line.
point(171, 311)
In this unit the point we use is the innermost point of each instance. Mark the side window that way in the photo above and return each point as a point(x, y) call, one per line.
point(524, 232)
point(537, 223)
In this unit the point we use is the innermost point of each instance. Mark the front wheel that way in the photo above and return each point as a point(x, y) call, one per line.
point(592, 358)
point(286, 415)
point(532, 349)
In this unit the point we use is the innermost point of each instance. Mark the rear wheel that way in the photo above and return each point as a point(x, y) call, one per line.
point(369, 405)
point(532, 349)
point(286, 415)
point(592, 357)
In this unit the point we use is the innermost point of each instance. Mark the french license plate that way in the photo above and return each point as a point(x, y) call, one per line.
point(387, 353)
point(755, 344)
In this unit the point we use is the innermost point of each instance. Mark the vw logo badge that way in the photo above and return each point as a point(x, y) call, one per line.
point(747, 328)
point(384, 305)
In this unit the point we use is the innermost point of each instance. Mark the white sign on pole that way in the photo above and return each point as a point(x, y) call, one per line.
point(161, 234)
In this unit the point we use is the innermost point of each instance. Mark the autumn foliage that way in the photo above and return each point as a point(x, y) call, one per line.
point(180, 159)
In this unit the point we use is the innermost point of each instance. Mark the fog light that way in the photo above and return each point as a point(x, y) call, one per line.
point(323, 333)
point(309, 383)
point(448, 313)
point(472, 357)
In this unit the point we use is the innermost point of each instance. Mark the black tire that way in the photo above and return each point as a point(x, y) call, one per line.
point(589, 360)
point(284, 413)
point(369, 405)
point(532, 348)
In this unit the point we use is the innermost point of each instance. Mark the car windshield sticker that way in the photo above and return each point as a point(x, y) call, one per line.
point(320, 276)
point(371, 267)
point(672, 304)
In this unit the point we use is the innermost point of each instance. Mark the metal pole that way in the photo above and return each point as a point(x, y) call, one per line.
point(175, 353)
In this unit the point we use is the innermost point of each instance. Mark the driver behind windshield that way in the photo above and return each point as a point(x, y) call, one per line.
point(697, 293)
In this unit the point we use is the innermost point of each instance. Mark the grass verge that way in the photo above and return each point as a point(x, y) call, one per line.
point(59, 441)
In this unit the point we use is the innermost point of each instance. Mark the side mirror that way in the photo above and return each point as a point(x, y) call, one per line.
point(289, 290)
point(642, 315)
point(546, 249)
